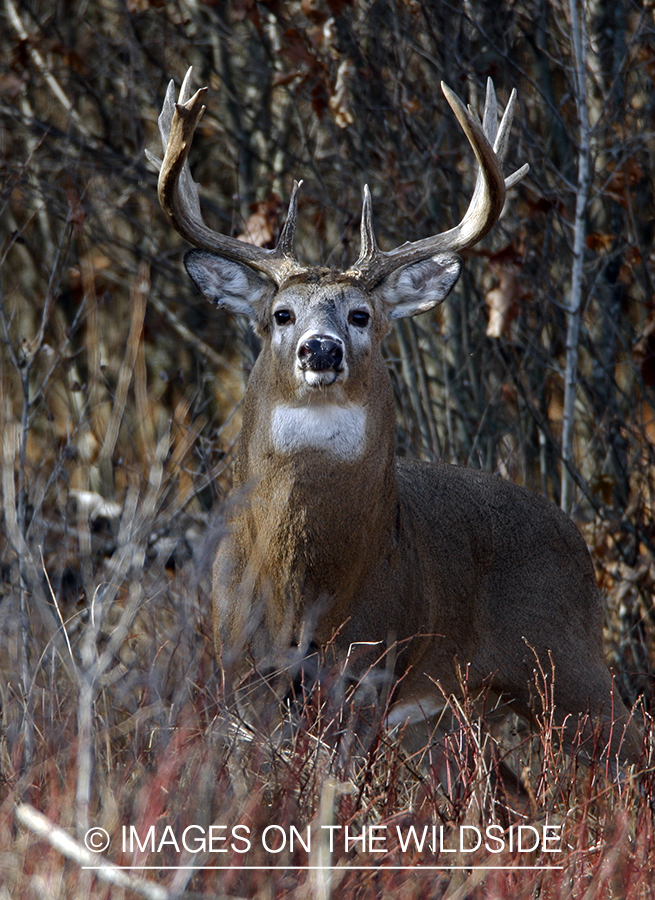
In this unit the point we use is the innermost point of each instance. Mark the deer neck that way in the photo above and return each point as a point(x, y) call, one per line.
point(321, 496)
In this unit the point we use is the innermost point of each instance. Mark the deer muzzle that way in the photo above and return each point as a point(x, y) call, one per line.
point(320, 359)
point(319, 353)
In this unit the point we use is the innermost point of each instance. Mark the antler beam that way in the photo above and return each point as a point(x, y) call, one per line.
point(179, 199)
point(178, 194)
point(489, 143)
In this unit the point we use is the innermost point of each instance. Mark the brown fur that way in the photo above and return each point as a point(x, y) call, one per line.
point(452, 569)
point(455, 568)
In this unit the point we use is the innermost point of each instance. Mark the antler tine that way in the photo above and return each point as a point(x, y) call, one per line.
point(185, 89)
point(490, 115)
point(502, 141)
point(284, 248)
point(179, 198)
point(369, 246)
point(489, 143)
point(369, 252)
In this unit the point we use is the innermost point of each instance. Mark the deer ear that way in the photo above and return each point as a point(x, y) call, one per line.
point(227, 283)
point(420, 286)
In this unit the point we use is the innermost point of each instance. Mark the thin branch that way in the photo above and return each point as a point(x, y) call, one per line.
point(579, 40)
point(40, 825)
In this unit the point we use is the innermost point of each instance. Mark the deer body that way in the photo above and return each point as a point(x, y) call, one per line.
point(334, 540)
point(448, 565)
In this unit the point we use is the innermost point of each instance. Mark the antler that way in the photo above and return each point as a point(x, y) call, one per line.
point(489, 143)
point(178, 192)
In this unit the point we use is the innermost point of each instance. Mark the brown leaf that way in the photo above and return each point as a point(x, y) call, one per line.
point(295, 49)
point(313, 10)
point(648, 421)
point(12, 85)
point(536, 205)
point(503, 301)
point(600, 243)
point(624, 177)
point(504, 257)
point(281, 79)
point(633, 256)
point(139, 6)
point(603, 486)
point(337, 7)
point(339, 102)
point(261, 226)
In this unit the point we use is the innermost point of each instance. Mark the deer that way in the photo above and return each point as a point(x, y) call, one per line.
point(333, 540)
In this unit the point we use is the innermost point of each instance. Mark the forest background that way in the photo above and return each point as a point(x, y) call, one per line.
point(120, 390)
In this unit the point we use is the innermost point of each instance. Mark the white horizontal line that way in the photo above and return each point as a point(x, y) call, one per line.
point(329, 868)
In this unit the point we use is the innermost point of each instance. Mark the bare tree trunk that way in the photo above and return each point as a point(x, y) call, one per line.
point(578, 38)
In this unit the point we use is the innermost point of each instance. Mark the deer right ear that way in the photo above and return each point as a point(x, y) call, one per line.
point(229, 284)
point(419, 286)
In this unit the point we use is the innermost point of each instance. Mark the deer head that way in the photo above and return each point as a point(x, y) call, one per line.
point(322, 329)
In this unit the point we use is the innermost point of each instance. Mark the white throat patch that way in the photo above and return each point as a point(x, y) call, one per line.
point(338, 430)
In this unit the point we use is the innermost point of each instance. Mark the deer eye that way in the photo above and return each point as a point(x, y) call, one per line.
point(284, 317)
point(359, 317)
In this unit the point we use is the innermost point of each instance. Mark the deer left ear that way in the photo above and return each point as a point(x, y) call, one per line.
point(420, 286)
point(227, 283)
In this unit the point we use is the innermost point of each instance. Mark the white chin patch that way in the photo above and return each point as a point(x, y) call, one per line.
point(340, 431)
point(319, 379)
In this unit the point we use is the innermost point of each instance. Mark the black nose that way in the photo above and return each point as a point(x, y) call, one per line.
point(319, 353)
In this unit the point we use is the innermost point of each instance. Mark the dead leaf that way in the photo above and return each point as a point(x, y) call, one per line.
point(339, 102)
point(12, 85)
point(139, 6)
point(281, 79)
point(600, 243)
point(503, 301)
point(633, 256)
point(261, 226)
point(624, 177)
point(295, 49)
point(313, 10)
point(648, 421)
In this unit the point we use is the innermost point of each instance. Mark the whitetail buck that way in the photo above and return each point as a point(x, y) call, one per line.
point(452, 568)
